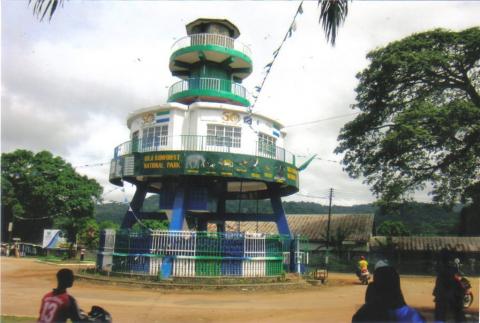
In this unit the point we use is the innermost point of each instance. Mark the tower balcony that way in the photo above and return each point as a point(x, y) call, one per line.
point(209, 89)
point(159, 160)
point(211, 39)
point(206, 144)
point(215, 48)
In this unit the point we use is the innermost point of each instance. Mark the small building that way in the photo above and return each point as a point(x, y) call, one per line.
point(350, 231)
point(413, 254)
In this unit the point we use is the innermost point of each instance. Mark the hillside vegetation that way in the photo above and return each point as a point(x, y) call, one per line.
point(418, 218)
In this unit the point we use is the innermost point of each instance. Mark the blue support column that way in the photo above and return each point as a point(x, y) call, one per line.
point(136, 204)
point(281, 218)
point(176, 224)
point(178, 211)
point(220, 214)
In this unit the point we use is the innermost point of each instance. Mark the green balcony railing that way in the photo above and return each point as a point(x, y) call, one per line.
point(204, 143)
point(221, 87)
point(211, 39)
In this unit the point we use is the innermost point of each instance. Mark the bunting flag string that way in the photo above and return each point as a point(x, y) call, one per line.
point(268, 67)
point(92, 165)
point(114, 189)
point(138, 220)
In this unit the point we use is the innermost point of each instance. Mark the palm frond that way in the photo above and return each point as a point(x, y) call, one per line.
point(332, 16)
point(42, 8)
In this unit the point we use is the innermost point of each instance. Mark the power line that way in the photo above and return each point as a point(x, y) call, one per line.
point(312, 196)
point(321, 120)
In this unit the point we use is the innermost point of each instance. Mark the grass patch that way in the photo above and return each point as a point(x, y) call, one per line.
point(59, 260)
point(17, 319)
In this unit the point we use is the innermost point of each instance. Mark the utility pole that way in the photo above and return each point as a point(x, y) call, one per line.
point(328, 228)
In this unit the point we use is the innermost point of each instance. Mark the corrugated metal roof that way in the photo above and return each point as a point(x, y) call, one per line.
point(357, 227)
point(429, 243)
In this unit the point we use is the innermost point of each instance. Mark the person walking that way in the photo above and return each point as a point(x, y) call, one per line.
point(384, 301)
point(82, 254)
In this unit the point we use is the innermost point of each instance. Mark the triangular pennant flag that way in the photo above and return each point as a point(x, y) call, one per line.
point(300, 9)
point(275, 53)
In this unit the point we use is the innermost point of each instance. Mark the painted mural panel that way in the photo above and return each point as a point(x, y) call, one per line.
point(215, 164)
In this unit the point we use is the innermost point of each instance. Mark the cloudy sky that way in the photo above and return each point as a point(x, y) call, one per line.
point(68, 84)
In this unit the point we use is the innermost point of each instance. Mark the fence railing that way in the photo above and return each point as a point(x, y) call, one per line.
point(204, 143)
point(195, 254)
point(208, 83)
point(211, 39)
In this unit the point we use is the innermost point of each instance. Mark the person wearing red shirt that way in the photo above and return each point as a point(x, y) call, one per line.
point(58, 305)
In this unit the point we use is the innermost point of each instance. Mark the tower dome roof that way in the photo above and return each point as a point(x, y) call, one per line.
point(201, 25)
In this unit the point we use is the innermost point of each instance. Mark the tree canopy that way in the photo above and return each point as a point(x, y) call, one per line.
point(393, 229)
point(43, 191)
point(420, 117)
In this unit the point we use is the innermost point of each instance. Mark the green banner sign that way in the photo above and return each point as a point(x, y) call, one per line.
point(215, 164)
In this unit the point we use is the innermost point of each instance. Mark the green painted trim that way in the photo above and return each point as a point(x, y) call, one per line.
point(209, 93)
point(215, 48)
point(162, 113)
point(179, 163)
point(305, 164)
point(123, 254)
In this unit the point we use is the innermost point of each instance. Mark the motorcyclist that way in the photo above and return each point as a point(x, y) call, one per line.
point(58, 305)
point(362, 265)
point(448, 291)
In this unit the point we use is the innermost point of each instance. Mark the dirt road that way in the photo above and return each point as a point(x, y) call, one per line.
point(24, 282)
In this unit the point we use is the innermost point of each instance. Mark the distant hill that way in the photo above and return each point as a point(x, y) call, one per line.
point(419, 218)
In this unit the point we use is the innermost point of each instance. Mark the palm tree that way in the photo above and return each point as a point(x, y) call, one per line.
point(43, 7)
point(332, 14)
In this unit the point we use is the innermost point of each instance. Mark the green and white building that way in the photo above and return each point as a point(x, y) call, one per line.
point(205, 145)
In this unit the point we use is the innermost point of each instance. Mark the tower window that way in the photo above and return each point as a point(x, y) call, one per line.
point(155, 137)
point(219, 135)
point(267, 145)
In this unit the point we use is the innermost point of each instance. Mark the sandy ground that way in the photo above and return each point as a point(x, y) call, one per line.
point(24, 281)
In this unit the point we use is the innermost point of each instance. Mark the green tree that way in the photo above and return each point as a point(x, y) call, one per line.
point(393, 229)
point(420, 117)
point(88, 234)
point(470, 215)
point(151, 224)
point(43, 191)
point(108, 225)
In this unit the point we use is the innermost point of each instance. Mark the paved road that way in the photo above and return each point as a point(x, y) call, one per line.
point(24, 282)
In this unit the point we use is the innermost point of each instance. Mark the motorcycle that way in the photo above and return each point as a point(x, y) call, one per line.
point(468, 294)
point(96, 315)
point(364, 276)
